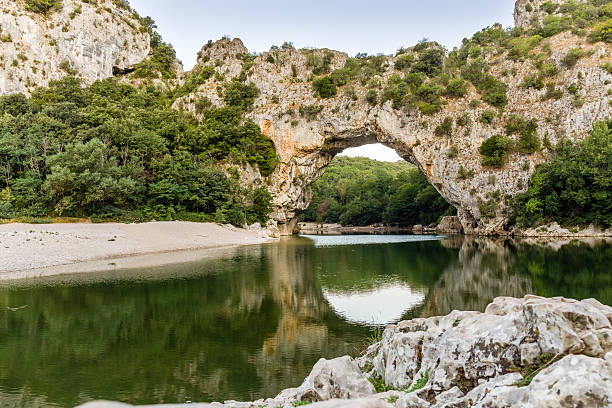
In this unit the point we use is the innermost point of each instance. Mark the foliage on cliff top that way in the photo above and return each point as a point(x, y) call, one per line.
point(575, 188)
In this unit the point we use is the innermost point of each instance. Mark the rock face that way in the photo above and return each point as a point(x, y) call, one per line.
point(528, 11)
point(471, 359)
point(450, 225)
point(306, 142)
point(88, 40)
point(95, 41)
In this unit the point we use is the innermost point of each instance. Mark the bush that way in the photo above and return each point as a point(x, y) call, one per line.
point(495, 150)
point(464, 119)
point(240, 95)
point(528, 131)
point(310, 111)
point(161, 62)
point(43, 6)
point(602, 32)
point(457, 88)
point(487, 117)
point(324, 87)
point(396, 92)
point(571, 58)
point(404, 62)
point(555, 24)
point(533, 81)
point(575, 188)
point(493, 90)
point(430, 63)
point(372, 97)
point(445, 128)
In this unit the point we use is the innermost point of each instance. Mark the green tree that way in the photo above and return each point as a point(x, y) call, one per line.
point(84, 177)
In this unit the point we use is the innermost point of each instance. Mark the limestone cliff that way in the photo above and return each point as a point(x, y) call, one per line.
point(561, 97)
point(86, 39)
point(308, 131)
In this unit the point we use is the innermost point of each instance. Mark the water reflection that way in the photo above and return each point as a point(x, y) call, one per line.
point(254, 320)
point(375, 307)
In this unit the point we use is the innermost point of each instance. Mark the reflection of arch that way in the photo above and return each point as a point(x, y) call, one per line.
point(482, 273)
point(267, 297)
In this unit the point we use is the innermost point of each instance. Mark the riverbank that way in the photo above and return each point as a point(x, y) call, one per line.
point(521, 352)
point(28, 250)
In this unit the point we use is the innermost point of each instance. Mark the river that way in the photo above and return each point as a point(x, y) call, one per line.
point(250, 321)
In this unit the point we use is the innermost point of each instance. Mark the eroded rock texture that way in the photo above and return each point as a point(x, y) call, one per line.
point(307, 140)
point(91, 41)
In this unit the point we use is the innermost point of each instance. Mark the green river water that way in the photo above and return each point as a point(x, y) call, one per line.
point(250, 321)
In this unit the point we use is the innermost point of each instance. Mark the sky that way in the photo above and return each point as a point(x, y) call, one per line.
point(351, 26)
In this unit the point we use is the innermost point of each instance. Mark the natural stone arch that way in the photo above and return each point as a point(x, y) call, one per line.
point(294, 197)
point(306, 143)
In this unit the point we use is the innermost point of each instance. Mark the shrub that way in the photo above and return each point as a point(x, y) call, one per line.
point(549, 69)
point(430, 63)
point(602, 32)
point(495, 150)
point(197, 77)
point(43, 6)
point(532, 81)
point(571, 58)
point(240, 95)
point(324, 87)
point(396, 92)
point(493, 90)
point(310, 111)
point(342, 76)
point(457, 88)
point(372, 97)
point(552, 92)
point(521, 47)
point(464, 119)
point(445, 128)
point(528, 131)
point(463, 174)
point(404, 62)
point(487, 117)
point(554, 25)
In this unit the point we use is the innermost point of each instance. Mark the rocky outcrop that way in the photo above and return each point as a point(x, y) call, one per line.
point(309, 131)
point(450, 225)
point(529, 352)
point(528, 12)
point(91, 41)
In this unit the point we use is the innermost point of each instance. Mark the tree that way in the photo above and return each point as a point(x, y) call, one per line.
point(84, 177)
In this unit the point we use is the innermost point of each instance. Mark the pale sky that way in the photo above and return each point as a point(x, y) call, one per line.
point(351, 26)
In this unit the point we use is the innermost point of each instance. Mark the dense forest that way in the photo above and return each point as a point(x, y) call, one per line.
point(360, 191)
point(111, 151)
point(574, 188)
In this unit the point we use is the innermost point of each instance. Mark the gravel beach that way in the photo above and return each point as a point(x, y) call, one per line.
point(27, 249)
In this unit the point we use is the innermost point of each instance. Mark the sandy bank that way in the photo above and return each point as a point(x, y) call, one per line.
point(26, 249)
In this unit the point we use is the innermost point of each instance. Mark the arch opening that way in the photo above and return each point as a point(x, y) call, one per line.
point(367, 181)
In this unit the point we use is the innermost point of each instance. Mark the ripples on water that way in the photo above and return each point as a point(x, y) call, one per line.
point(253, 320)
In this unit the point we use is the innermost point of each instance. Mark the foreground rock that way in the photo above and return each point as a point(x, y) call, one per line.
point(530, 352)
